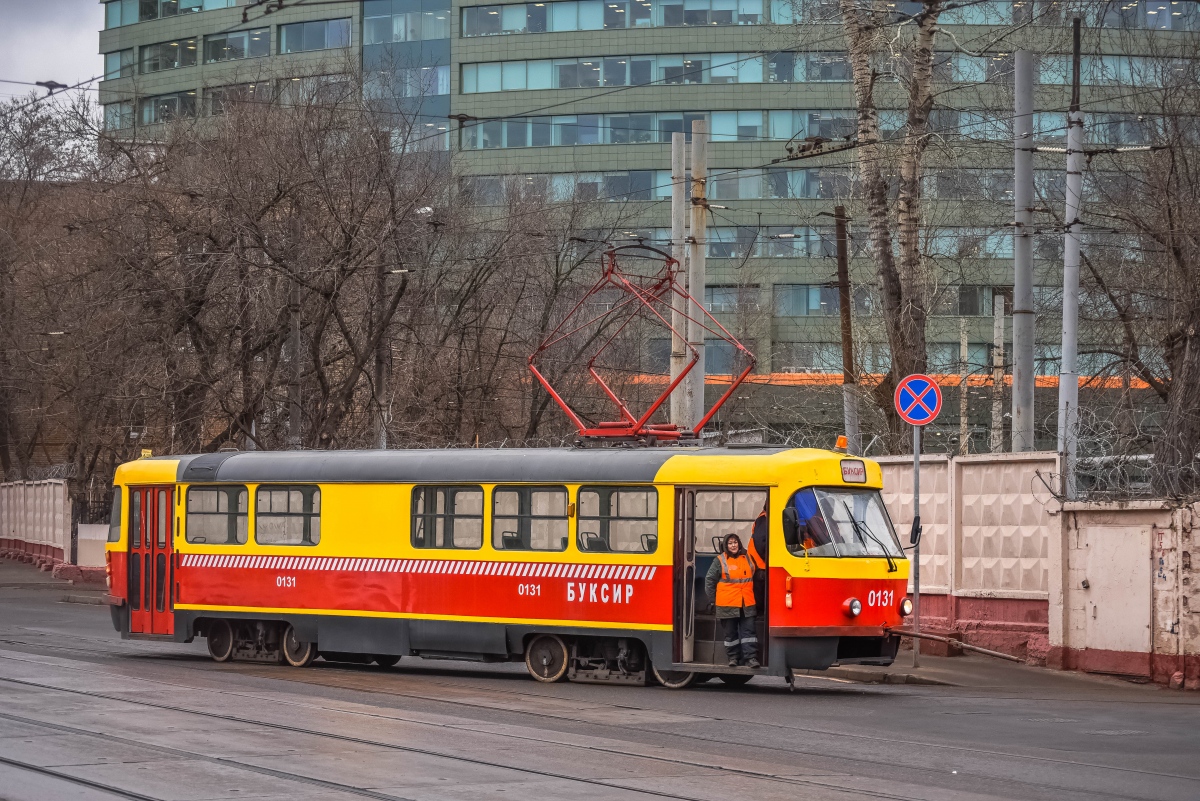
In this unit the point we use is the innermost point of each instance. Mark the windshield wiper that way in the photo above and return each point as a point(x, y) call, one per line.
point(860, 529)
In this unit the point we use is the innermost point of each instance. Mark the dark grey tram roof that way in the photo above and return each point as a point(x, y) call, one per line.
point(548, 465)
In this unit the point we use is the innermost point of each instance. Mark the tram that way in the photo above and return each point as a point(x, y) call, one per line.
point(586, 564)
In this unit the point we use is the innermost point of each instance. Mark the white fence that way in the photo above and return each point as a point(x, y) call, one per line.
point(35, 517)
point(988, 522)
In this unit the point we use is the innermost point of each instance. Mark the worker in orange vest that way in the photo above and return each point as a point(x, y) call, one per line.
point(729, 584)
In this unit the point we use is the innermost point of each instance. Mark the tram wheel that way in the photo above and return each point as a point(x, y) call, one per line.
point(297, 653)
point(220, 640)
point(386, 660)
point(546, 658)
point(735, 679)
point(674, 679)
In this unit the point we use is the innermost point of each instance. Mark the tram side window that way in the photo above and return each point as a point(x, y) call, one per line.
point(618, 519)
point(447, 517)
point(287, 515)
point(217, 515)
point(529, 518)
point(114, 519)
point(721, 512)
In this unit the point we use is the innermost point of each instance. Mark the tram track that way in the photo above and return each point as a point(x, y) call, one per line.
point(76, 780)
point(786, 755)
point(692, 764)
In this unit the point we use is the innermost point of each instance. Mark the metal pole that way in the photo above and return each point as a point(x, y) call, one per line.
point(697, 250)
point(681, 415)
point(964, 428)
point(996, 442)
point(1068, 377)
point(849, 374)
point(1022, 394)
point(380, 377)
point(294, 422)
point(916, 560)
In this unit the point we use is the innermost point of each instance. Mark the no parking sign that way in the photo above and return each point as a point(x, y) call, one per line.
point(918, 400)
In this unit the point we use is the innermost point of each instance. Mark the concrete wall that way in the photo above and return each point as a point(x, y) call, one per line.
point(1124, 594)
point(35, 517)
point(988, 526)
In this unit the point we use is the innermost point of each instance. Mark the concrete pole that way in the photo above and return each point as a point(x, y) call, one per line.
point(295, 432)
point(1023, 317)
point(849, 374)
point(964, 428)
point(681, 416)
point(697, 251)
point(1068, 377)
point(996, 441)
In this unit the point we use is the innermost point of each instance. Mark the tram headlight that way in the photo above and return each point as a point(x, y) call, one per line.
point(852, 607)
point(906, 607)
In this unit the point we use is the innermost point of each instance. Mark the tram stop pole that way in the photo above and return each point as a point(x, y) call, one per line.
point(916, 560)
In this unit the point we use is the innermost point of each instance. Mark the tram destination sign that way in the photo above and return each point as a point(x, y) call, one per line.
point(918, 399)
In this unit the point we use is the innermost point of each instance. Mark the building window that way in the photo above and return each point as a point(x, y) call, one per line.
point(217, 515)
point(415, 26)
point(169, 55)
point(165, 108)
point(618, 519)
point(118, 64)
point(300, 37)
point(156, 9)
point(807, 357)
point(120, 12)
point(806, 300)
point(722, 358)
point(529, 518)
point(729, 299)
point(447, 517)
point(222, 99)
point(241, 44)
point(118, 115)
point(287, 515)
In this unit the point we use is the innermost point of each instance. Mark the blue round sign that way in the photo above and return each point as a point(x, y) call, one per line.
point(918, 399)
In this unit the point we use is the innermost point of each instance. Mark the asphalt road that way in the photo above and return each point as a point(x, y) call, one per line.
point(85, 715)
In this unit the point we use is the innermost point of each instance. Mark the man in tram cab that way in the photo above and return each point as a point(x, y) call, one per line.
point(730, 584)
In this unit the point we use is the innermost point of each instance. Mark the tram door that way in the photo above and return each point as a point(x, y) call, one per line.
point(151, 600)
point(685, 575)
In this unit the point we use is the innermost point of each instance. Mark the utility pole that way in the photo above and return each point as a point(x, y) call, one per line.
point(380, 377)
point(996, 441)
point(681, 415)
point(697, 250)
point(294, 428)
point(964, 428)
point(849, 374)
point(1068, 377)
point(295, 433)
point(1023, 379)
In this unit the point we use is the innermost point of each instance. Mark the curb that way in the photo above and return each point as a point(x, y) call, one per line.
point(94, 600)
point(869, 676)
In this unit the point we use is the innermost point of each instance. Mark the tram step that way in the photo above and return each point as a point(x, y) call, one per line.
point(698, 667)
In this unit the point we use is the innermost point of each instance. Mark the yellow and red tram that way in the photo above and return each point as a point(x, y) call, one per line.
point(587, 564)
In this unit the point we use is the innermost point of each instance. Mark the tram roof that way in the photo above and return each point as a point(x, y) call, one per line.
point(523, 465)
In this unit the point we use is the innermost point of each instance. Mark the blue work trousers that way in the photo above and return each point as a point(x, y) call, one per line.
point(741, 637)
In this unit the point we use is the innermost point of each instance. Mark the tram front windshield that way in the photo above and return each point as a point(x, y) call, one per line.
point(839, 522)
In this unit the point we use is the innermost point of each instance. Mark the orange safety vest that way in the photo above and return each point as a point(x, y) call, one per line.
point(735, 587)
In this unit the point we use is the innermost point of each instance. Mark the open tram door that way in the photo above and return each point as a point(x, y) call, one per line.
point(702, 514)
point(151, 567)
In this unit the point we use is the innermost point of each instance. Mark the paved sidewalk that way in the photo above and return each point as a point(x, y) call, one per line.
point(979, 672)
